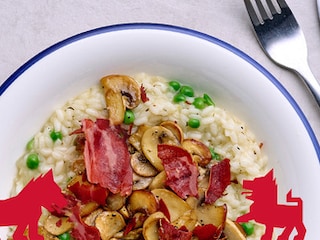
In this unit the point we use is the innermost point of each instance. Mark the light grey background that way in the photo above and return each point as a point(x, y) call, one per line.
point(28, 27)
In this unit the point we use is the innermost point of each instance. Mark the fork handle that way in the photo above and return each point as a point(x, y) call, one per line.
point(311, 82)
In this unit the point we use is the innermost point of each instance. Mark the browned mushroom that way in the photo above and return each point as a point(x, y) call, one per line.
point(141, 165)
point(121, 92)
point(233, 231)
point(150, 140)
point(109, 223)
point(198, 150)
point(142, 201)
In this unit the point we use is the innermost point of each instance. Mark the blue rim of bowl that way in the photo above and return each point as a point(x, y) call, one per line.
point(165, 27)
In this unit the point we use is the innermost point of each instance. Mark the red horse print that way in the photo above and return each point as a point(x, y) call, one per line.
point(266, 210)
point(24, 210)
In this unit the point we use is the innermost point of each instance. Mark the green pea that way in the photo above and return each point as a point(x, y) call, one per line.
point(248, 227)
point(29, 145)
point(199, 103)
point(214, 155)
point(187, 91)
point(55, 135)
point(128, 117)
point(179, 98)
point(208, 100)
point(175, 85)
point(194, 123)
point(65, 236)
point(33, 161)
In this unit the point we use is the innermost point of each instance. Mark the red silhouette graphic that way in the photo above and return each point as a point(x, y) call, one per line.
point(24, 210)
point(266, 210)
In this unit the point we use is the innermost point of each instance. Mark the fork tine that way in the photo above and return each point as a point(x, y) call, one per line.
point(272, 8)
point(262, 10)
point(282, 4)
point(252, 13)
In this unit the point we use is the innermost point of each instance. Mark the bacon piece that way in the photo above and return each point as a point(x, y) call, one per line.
point(182, 173)
point(206, 232)
point(87, 192)
point(220, 177)
point(169, 232)
point(82, 231)
point(106, 156)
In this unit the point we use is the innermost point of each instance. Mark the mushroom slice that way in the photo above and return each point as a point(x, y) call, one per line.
point(91, 218)
point(135, 138)
point(176, 206)
point(109, 223)
point(121, 92)
point(151, 226)
point(87, 208)
point(199, 151)
point(150, 140)
point(140, 182)
point(174, 128)
point(142, 201)
point(158, 181)
point(115, 201)
point(141, 165)
point(56, 225)
point(233, 231)
point(211, 214)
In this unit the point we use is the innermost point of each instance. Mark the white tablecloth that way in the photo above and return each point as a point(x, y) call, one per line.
point(28, 27)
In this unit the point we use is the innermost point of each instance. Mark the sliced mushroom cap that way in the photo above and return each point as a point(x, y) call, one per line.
point(233, 231)
point(87, 208)
point(115, 201)
point(174, 128)
point(91, 218)
point(135, 138)
point(121, 92)
point(141, 165)
point(109, 223)
point(140, 182)
point(151, 226)
point(198, 150)
point(159, 181)
point(211, 214)
point(57, 226)
point(150, 140)
point(176, 206)
point(142, 201)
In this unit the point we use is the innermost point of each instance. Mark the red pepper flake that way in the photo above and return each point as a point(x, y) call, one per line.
point(143, 93)
point(59, 223)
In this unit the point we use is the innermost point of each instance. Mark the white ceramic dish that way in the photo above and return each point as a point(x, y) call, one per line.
point(235, 81)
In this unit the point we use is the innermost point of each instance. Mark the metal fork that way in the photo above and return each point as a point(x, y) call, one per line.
point(281, 38)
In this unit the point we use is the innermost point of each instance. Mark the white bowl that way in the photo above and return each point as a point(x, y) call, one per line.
point(236, 81)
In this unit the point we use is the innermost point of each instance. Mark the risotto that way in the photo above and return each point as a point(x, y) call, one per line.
point(56, 146)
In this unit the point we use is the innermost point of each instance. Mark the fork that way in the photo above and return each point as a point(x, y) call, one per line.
point(282, 39)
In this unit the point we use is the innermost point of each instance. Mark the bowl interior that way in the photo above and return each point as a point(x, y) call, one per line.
point(234, 80)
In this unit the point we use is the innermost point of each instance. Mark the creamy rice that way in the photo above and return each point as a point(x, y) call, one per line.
point(219, 129)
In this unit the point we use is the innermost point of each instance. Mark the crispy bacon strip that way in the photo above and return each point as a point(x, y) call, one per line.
point(220, 177)
point(207, 232)
point(89, 192)
point(169, 232)
point(182, 173)
point(82, 231)
point(106, 156)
